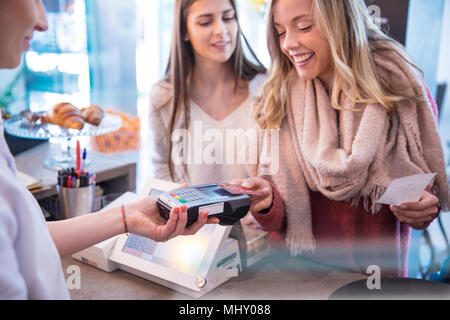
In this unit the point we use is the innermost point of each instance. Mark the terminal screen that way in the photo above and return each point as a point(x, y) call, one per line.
point(183, 254)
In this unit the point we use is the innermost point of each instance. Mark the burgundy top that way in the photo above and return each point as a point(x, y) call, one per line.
point(346, 236)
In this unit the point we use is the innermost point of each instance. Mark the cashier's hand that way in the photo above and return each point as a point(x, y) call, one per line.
point(418, 215)
point(143, 219)
point(259, 202)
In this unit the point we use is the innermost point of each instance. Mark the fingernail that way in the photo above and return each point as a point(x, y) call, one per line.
point(176, 210)
point(183, 209)
point(245, 185)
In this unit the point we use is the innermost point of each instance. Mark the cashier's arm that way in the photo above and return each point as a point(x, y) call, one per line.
point(142, 218)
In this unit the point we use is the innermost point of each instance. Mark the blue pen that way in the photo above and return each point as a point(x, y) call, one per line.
point(83, 160)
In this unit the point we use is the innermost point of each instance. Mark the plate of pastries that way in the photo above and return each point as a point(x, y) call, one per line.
point(64, 119)
point(66, 115)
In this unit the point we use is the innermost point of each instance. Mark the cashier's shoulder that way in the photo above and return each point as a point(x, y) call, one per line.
point(161, 94)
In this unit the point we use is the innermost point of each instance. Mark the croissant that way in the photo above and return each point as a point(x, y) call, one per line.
point(93, 114)
point(67, 115)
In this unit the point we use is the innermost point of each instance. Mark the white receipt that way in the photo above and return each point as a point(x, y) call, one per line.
point(407, 189)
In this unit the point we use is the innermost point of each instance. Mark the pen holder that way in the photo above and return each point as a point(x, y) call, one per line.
point(75, 202)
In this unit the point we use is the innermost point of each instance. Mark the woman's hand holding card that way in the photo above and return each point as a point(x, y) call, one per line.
point(260, 192)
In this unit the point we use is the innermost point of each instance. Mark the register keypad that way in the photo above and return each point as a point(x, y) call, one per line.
point(187, 195)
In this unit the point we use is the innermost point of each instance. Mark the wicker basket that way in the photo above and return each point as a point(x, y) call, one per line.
point(125, 139)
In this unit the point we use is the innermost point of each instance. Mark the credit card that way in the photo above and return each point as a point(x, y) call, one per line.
point(238, 189)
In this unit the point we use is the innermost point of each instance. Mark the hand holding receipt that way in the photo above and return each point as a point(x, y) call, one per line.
point(407, 189)
point(409, 201)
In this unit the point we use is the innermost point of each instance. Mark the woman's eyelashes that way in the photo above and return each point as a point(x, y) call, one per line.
point(204, 23)
point(229, 17)
point(303, 29)
point(306, 28)
point(210, 21)
point(280, 34)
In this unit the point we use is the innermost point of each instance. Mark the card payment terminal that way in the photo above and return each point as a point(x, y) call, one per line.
point(220, 203)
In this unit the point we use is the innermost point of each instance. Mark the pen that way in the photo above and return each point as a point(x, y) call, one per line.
point(91, 178)
point(68, 146)
point(83, 161)
point(77, 170)
point(83, 181)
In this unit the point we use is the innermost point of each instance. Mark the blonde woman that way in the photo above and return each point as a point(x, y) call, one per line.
point(353, 115)
point(206, 91)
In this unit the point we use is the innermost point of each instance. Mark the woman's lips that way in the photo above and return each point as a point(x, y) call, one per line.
point(221, 45)
point(303, 59)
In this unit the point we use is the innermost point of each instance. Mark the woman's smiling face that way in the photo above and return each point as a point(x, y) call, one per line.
point(301, 40)
point(18, 21)
point(212, 29)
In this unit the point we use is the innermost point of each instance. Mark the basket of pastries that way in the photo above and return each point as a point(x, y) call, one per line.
point(125, 139)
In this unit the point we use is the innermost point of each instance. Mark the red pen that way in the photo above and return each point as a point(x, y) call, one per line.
point(78, 163)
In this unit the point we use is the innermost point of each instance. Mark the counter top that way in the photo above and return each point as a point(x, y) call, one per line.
point(278, 276)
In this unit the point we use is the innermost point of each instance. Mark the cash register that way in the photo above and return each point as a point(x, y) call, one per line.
point(193, 265)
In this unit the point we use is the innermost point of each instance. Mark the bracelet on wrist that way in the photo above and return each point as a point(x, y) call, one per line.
point(124, 218)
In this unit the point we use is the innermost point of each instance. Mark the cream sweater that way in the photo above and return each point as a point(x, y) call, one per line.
point(160, 114)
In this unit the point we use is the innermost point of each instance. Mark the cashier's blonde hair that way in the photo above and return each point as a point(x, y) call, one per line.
point(350, 31)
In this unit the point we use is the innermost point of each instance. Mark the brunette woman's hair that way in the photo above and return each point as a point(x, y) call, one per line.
point(182, 63)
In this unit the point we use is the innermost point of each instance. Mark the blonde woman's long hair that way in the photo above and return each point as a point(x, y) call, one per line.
point(350, 32)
